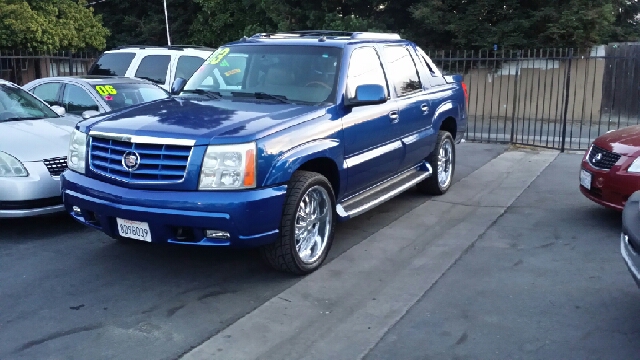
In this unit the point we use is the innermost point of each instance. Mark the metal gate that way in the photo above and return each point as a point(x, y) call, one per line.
point(553, 98)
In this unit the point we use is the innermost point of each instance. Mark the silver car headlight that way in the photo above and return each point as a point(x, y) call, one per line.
point(77, 151)
point(11, 167)
point(635, 166)
point(228, 167)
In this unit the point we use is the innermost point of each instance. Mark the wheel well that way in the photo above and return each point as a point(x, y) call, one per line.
point(449, 124)
point(327, 168)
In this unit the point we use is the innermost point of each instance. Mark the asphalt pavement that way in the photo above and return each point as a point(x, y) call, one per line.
point(70, 292)
point(512, 263)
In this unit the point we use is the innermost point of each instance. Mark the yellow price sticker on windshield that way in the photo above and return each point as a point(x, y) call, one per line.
point(106, 90)
point(231, 72)
point(218, 55)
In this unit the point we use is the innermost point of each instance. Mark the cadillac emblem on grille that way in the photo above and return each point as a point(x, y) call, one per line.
point(131, 160)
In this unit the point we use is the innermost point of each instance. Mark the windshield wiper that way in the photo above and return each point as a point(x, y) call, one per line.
point(262, 95)
point(208, 93)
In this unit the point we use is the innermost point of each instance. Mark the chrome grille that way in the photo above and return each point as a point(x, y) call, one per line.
point(56, 166)
point(601, 158)
point(158, 163)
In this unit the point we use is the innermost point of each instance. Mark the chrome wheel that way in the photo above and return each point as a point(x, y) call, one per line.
point(313, 224)
point(445, 160)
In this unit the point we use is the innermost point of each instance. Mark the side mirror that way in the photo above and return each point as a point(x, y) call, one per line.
point(178, 85)
point(89, 113)
point(59, 110)
point(368, 94)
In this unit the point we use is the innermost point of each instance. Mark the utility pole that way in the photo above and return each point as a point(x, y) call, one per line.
point(166, 19)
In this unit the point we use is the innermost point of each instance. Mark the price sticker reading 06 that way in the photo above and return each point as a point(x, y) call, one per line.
point(106, 90)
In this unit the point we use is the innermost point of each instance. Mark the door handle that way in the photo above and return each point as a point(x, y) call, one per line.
point(425, 108)
point(394, 116)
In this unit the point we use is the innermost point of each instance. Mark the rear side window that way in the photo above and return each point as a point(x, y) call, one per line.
point(113, 64)
point(154, 68)
point(187, 65)
point(402, 70)
point(48, 92)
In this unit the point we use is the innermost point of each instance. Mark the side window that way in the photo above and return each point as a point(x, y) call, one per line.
point(154, 68)
point(187, 65)
point(402, 70)
point(48, 93)
point(76, 100)
point(112, 64)
point(428, 63)
point(364, 68)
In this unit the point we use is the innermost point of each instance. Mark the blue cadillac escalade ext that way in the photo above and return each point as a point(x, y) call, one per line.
point(271, 142)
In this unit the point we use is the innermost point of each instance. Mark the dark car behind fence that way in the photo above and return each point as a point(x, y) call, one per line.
point(553, 98)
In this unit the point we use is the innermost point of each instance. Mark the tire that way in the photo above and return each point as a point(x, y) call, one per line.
point(433, 184)
point(283, 255)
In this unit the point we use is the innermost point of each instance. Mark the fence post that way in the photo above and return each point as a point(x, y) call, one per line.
point(567, 87)
point(515, 98)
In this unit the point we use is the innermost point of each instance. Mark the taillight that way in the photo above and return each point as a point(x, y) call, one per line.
point(466, 94)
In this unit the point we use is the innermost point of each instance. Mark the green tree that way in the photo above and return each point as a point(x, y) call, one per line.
point(143, 22)
point(50, 25)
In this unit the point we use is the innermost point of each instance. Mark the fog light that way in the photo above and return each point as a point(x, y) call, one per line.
point(217, 234)
point(77, 211)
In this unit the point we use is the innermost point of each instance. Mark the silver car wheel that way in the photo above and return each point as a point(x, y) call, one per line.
point(445, 160)
point(313, 224)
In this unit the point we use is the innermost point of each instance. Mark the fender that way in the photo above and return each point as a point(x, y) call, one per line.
point(289, 161)
point(445, 110)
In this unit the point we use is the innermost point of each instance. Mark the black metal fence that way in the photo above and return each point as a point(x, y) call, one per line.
point(553, 98)
point(22, 67)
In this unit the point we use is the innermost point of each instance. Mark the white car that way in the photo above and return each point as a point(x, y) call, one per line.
point(159, 64)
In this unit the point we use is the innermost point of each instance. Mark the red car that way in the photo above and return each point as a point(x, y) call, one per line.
point(610, 170)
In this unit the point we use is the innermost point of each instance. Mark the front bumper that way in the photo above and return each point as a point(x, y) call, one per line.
point(630, 237)
point(36, 194)
point(250, 217)
point(611, 188)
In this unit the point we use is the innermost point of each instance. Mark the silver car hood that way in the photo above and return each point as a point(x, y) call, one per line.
point(35, 140)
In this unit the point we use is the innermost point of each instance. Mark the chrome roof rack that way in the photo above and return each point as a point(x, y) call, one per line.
point(333, 34)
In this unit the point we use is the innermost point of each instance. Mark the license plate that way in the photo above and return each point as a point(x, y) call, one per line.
point(134, 229)
point(585, 179)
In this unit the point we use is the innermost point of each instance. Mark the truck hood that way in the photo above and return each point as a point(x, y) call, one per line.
point(204, 120)
point(35, 140)
point(625, 141)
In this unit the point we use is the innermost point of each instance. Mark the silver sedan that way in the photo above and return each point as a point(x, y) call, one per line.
point(34, 141)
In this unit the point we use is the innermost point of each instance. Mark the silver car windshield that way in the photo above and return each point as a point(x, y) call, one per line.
point(17, 104)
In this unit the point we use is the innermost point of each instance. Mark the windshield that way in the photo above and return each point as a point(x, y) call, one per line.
point(122, 95)
point(17, 104)
point(306, 74)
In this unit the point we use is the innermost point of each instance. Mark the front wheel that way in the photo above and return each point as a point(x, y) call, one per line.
point(442, 161)
point(307, 226)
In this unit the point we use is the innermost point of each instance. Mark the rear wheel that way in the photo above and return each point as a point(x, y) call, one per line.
point(442, 161)
point(307, 226)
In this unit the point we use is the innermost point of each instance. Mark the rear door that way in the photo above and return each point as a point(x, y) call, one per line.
point(414, 105)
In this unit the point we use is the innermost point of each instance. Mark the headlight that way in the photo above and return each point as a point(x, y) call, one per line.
point(77, 151)
point(229, 167)
point(635, 166)
point(11, 167)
